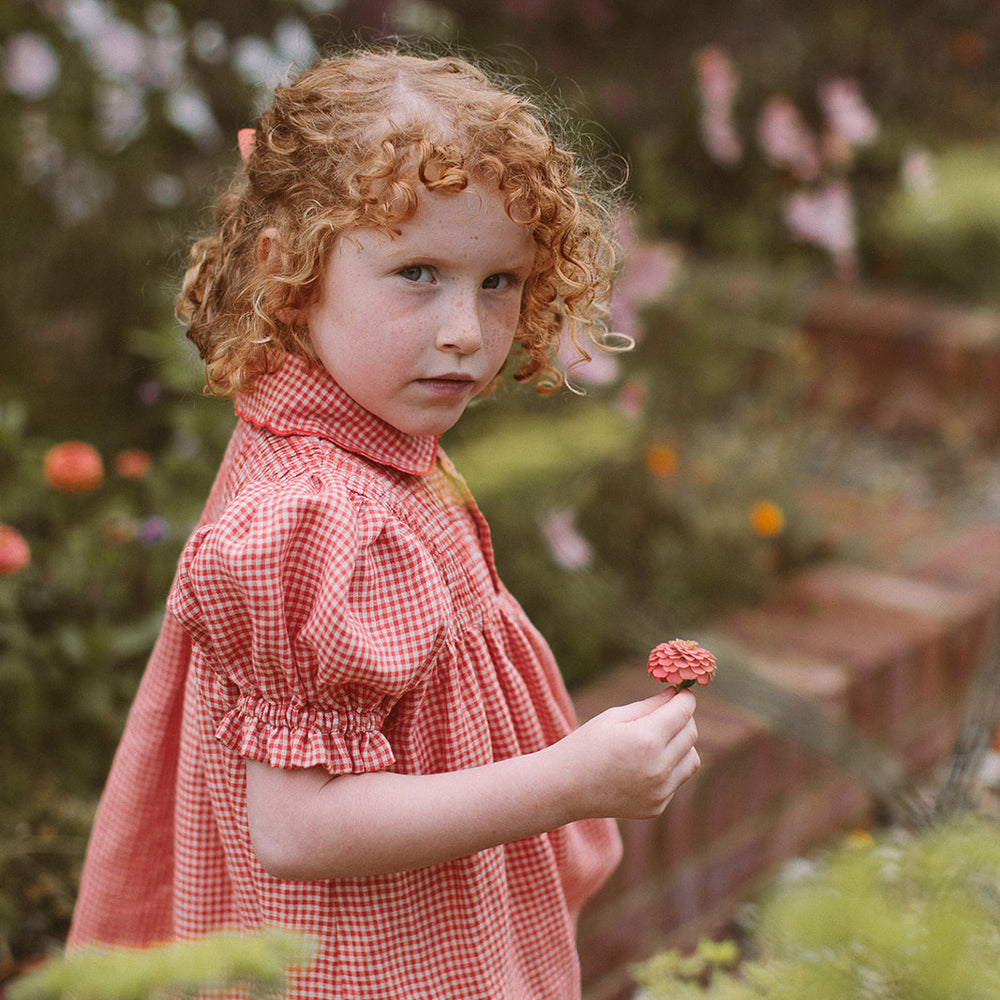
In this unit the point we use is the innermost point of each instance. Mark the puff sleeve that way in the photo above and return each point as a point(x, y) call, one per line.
point(321, 610)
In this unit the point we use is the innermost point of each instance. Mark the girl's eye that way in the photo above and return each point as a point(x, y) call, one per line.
point(417, 272)
point(497, 281)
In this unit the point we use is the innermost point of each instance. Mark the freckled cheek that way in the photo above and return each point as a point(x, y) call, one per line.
point(501, 332)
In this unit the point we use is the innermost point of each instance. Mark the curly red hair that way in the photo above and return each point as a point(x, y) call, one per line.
point(345, 146)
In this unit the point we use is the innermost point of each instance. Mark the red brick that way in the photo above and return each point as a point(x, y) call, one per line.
point(678, 829)
point(972, 558)
point(876, 647)
point(640, 857)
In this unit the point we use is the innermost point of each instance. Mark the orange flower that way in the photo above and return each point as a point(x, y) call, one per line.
point(859, 838)
point(73, 467)
point(681, 662)
point(661, 461)
point(120, 530)
point(767, 519)
point(14, 551)
point(133, 463)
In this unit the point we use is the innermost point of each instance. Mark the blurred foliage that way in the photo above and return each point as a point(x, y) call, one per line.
point(907, 917)
point(77, 624)
point(943, 236)
point(76, 628)
point(256, 963)
point(42, 842)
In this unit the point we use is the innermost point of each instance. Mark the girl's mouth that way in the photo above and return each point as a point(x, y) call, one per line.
point(448, 384)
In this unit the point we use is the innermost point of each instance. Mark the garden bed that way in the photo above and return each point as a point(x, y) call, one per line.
point(885, 637)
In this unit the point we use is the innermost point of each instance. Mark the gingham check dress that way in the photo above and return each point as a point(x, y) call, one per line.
point(339, 606)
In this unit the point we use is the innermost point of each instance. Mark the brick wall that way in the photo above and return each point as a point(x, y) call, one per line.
point(890, 650)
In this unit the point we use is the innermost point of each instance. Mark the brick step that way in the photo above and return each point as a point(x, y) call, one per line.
point(889, 650)
point(904, 364)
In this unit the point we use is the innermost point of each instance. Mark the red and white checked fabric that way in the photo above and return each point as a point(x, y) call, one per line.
point(339, 606)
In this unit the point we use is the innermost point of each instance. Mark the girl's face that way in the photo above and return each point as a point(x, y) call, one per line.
point(413, 325)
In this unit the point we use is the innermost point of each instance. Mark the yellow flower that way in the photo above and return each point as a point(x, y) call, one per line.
point(661, 461)
point(767, 519)
point(859, 838)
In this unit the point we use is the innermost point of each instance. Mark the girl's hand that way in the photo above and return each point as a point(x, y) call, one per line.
point(629, 761)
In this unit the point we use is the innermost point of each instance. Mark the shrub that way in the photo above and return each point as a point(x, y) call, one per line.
point(941, 236)
point(903, 917)
point(255, 962)
point(78, 618)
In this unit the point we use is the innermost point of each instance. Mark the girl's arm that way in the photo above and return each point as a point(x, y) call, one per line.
point(628, 761)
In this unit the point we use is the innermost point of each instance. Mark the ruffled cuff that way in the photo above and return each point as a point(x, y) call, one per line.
point(283, 735)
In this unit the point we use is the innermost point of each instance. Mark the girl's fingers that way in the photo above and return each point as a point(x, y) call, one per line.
point(676, 709)
point(639, 709)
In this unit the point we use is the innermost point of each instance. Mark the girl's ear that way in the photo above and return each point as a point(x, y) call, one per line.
point(268, 246)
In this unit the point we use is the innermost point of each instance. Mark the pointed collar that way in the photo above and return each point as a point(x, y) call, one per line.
point(302, 398)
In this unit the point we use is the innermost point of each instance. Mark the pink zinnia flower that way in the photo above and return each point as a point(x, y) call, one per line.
point(133, 463)
point(786, 139)
point(14, 551)
point(681, 662)
point(847, 112)
point(825, 216)
point(73, 467)
point(718, 85)
point(568, 547)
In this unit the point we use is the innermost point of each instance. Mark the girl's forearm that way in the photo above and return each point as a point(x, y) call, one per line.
point(627, 761)
point(308, 825)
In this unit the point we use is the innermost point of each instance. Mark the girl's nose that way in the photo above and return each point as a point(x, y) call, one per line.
point(461, 328)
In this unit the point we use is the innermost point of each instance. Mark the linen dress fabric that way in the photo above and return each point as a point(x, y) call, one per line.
point(339, 606)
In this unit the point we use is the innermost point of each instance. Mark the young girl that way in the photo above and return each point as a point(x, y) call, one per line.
point(348, 727)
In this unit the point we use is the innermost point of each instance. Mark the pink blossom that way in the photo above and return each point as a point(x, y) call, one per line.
point(717, 86)
point(152, 531)
point(41, 155)
point(632, 399)
point(568, 547)
point(624, 318)
point(15, 553)
point(30, 67)
point(917, 171)
point(719, 137)
point(187, 107)
point(681, 662)
point(120, 114)
point(650, 270)
point(717, 80)
point(846, 111)
point(119, 51)
point(786, 139)
point(825, 217)
point(133, 463)
point(601, 369)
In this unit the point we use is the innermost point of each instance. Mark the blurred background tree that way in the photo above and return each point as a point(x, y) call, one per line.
point(120, 117)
